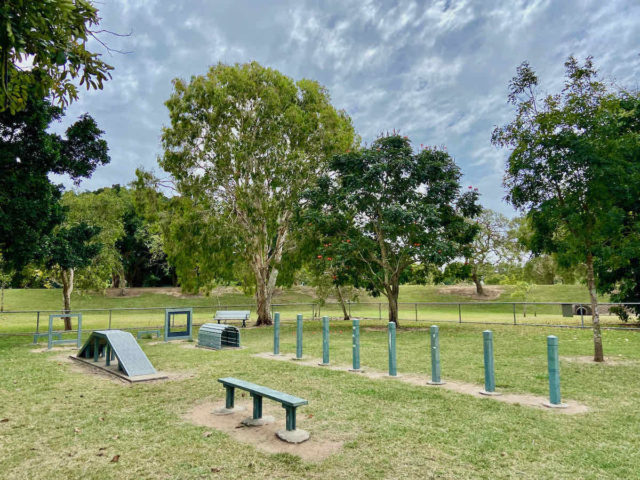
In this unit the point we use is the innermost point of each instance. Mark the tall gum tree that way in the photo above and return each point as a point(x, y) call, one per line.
point(381, 209)
point(570, 170)
point(244, 141)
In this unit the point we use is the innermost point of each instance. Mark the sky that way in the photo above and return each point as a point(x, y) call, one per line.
point(437, 71)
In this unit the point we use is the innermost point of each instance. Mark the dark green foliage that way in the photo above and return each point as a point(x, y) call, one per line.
point(384, 208)
point(29, 208)
point(52, 35)
point(73, 247)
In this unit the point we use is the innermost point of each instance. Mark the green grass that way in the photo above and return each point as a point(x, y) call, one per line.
point(390, 429)
point(96, 314)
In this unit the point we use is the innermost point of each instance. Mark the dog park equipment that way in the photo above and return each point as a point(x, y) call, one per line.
point(325, 341)
point(169, 315)
point(289, 402)
point(38, 336)
point(435, 356)
point(153, 331)
point(226, 315)
point(355, 345)
point(393, 370)
point(50, 333)
point(105, 346)
point(555, 401)
point(489, 373)
point(298, 336)
point(216, 337)
point(276, 334)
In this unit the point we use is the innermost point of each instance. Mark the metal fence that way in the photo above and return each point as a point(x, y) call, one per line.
point(548, 314)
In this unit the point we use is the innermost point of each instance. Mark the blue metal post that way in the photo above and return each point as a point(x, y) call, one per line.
point(325, 340)
point(489, 373)
point(276, 334)
point(393, 370)
point(299, 337)
point(356, 345)
point(435, 356)
point(555, 401)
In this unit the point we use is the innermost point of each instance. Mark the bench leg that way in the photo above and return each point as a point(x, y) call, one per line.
point(291, 417)
point(230, 397)
point(257, 406)
point(107, 355)
point(95, 349)
point(244, 323)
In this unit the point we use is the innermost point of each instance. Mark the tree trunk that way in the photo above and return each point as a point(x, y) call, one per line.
point(345, 312)
point(2, 298)
point(392, 295)
point(598, 355)
point(476, 280)
point(265, 285)
point(67, 289)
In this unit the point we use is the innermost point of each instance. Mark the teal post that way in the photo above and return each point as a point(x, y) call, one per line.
point(435, 356)
point(299, 337)
point(555, 400)
point(276, 334)
point(489, 373)
point(325, 341)
point(355, 336)
point(393, 370)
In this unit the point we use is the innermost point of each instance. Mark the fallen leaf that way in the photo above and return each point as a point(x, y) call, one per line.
point(101, 419)
point(77, 430)
point(207, 434)
point(102, 448)
point(100, 454)
point(115, 437)
point(215, 469)
point(115, 459)
point(4, 420)
point(310, 415)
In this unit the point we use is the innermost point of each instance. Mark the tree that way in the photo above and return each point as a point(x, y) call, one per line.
point(29, 202)
point(43, 51)
point(72, 247)
point(244, 142)
point(382, 209)
point(494, 243)
point(570, 170)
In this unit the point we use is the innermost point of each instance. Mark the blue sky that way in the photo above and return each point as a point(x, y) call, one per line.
point(436, 70)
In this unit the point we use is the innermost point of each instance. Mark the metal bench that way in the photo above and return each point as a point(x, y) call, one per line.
point(148, 332)
point(233, 315)
point(289, 402)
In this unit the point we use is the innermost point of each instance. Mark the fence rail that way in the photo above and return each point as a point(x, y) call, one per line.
point(549, 314)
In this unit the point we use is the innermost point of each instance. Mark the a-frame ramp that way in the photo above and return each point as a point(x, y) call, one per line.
point(105, 346)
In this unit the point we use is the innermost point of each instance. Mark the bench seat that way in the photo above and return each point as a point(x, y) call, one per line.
point(225, 315)
point(289, 402)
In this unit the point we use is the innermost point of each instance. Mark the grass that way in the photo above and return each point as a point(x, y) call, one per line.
point(100, 311)
point(390, 429)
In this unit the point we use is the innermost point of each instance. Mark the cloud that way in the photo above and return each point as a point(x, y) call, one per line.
point(436, 70)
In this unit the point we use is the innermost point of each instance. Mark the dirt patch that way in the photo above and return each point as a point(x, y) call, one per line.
point(490, 292)
point(608, 361)
point(453, 385)
point(264, 437)
point(54, 349)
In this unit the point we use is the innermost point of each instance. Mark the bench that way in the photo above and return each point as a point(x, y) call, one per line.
point(289, 402)
point(38, 336)
point(233, 315)
point(148, 332)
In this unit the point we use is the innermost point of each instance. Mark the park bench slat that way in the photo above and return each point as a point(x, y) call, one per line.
point(284, 398)
point(233, 315)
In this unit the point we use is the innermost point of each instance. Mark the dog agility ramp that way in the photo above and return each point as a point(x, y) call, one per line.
point(105, 346)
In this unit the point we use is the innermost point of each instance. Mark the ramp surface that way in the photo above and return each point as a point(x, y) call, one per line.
point(131, 359)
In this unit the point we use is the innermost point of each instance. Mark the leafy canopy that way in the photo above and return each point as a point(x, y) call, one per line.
point(43, 50)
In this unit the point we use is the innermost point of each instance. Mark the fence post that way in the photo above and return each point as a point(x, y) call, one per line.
point(489, 373)
point(109, 319)
point(555, 400)
point(459, 313)
point(416, 305)
point(435, 356)
point(582, 315)
point(38, 322)
point(380, 311)
point(393, 370)
point(276, 334)
point(355, 338)
point(325, 341)
point(514, 313)
point(349, 303)
point(299, 337)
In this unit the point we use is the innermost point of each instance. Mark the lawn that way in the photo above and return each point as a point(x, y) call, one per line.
point(101, 311)
point(65, 423)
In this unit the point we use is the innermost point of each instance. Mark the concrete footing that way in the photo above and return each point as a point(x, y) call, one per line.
point(258, 422)
point(293, 436)
point(435, 383)
point(228, 411)
point(490, 394)
point(555, 405)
